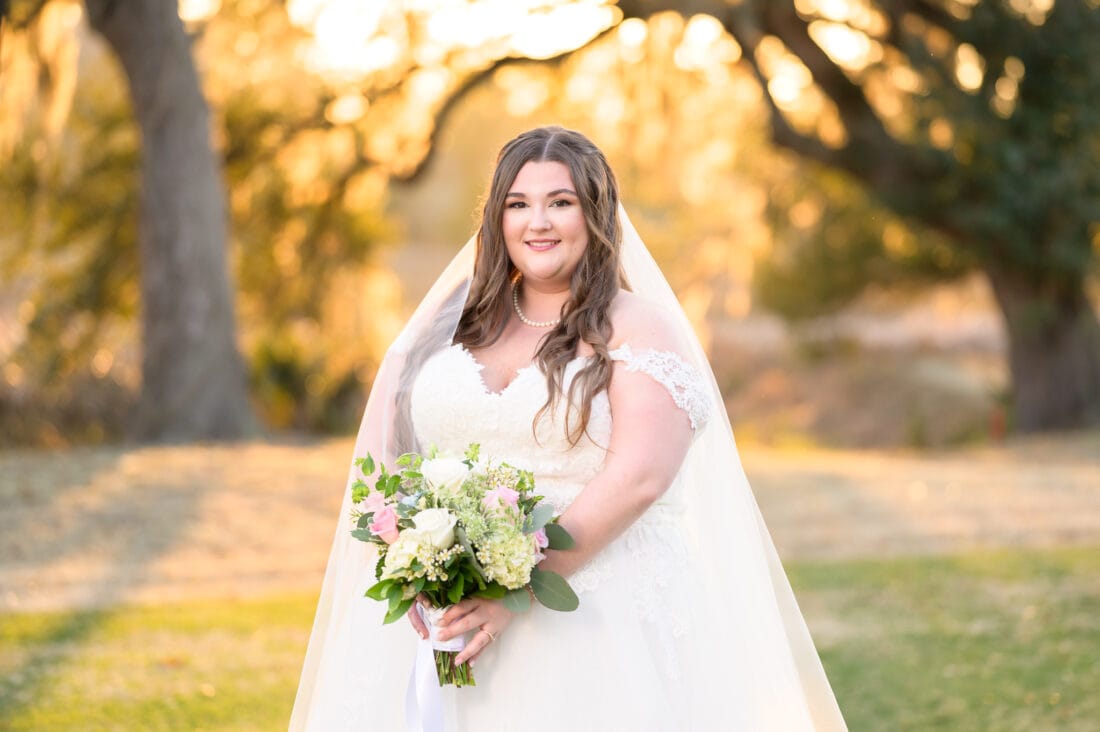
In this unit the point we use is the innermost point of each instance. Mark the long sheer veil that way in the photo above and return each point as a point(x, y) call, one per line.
point(745, 603)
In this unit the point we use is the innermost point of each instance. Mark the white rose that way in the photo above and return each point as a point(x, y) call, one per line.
point(444, 472)
point(400, 555)
point(437, 525)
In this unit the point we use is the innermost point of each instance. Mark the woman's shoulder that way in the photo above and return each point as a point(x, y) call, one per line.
point(649, 339)
point(640, 323)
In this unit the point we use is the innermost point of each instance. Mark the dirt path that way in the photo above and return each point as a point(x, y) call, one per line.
point(100, 526)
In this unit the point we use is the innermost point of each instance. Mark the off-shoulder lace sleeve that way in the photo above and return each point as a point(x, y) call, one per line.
point(683, 381)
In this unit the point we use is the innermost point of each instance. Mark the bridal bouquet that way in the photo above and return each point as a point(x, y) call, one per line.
point(450, 528)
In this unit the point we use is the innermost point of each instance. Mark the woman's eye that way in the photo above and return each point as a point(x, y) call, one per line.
point(561, 202)
point(516, 204)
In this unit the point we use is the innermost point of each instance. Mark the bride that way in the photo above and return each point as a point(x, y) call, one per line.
point(554, 341)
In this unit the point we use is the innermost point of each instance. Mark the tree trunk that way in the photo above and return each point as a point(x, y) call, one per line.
point(193, 380)
point(1053, 350)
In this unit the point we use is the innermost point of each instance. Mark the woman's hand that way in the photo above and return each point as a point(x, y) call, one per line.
point(488, 617)
point(414, 617)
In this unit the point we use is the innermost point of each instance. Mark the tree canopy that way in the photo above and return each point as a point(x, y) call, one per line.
point(968, 125)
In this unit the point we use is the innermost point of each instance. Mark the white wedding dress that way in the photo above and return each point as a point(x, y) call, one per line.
point(634, 656)
point(686, 621)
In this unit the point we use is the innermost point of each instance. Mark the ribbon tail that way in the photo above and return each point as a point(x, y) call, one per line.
point(423, 697)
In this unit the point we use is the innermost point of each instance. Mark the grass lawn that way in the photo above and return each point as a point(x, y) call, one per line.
point(992, 641)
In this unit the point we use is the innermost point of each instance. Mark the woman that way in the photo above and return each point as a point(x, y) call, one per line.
point(559, 347)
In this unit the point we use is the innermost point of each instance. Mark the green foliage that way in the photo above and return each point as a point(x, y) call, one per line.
point(538, 518)
point(553, 591)
point(1026, 183)
point(518, 601)
point(559, 537)
point(831, 240)
point(300, 243)
point(365, 464)
point(68, 219)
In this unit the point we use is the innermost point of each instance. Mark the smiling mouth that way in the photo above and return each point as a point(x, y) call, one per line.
point(541, 245)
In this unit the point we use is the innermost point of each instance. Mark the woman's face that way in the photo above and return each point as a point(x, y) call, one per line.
point(544, 226)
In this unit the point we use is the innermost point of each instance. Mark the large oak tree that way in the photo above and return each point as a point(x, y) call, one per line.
point(974, 118)
point(193, 384)
point(991, 139)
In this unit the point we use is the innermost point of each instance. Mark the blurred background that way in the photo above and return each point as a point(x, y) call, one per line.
point(882, 217)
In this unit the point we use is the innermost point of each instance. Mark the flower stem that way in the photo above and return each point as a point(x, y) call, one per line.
point(448, 672)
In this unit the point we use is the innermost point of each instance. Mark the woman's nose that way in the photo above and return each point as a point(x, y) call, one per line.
point(539, 219)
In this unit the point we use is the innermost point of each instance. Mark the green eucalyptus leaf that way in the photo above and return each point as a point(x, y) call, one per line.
point(363, 534)
point(553, 591)
point(539, 517)
point(559, 537)
point(365, 520)
point(518, 601)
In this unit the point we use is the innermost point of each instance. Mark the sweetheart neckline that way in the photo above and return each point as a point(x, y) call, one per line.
point(480, 367)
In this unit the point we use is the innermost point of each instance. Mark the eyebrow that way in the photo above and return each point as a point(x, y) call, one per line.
point(555, 192)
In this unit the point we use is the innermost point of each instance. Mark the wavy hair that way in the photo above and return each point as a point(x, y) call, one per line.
point(594, 283)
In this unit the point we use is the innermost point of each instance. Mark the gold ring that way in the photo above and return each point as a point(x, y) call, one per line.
point(489, 633)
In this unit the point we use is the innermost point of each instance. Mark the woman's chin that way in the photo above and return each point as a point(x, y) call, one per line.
point(546, 274)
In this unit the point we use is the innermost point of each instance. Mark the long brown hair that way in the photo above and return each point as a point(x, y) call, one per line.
point(594, 284)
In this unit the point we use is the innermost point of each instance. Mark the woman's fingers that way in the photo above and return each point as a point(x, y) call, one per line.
point(417, 622)
point(478, 643)
point(471, 620)
point(461, 610)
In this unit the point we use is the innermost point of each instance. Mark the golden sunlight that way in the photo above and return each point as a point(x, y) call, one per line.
point(346, 109)
point(788, 77)
point(194, 11)
point(1007, 87)
point(471, 25)
point(354, 38)
point(344, 36)
point(969, 67)
point(705, 44)
point(851, 49)
point(542, 35)
point(1036, 11)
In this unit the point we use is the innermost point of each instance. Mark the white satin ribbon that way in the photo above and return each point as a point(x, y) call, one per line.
point(423, 698)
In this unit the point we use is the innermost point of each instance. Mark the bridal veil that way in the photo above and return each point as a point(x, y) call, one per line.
point(745, 609)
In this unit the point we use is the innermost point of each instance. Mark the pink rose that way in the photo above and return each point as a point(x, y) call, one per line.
point(501, 497)
point(372, 503)
point(385, 525)
point(541, 542)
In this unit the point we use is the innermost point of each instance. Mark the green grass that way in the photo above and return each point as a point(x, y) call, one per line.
point(1006, 640)
point(986, 641)
point(214, 665)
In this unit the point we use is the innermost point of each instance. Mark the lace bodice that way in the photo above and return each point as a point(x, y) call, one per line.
point(451, 407)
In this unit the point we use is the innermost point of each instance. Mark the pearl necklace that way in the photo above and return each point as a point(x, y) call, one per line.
point(523, 318)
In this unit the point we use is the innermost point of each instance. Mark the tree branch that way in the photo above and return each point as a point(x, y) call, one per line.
point(28, 17)
point(470, 83)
